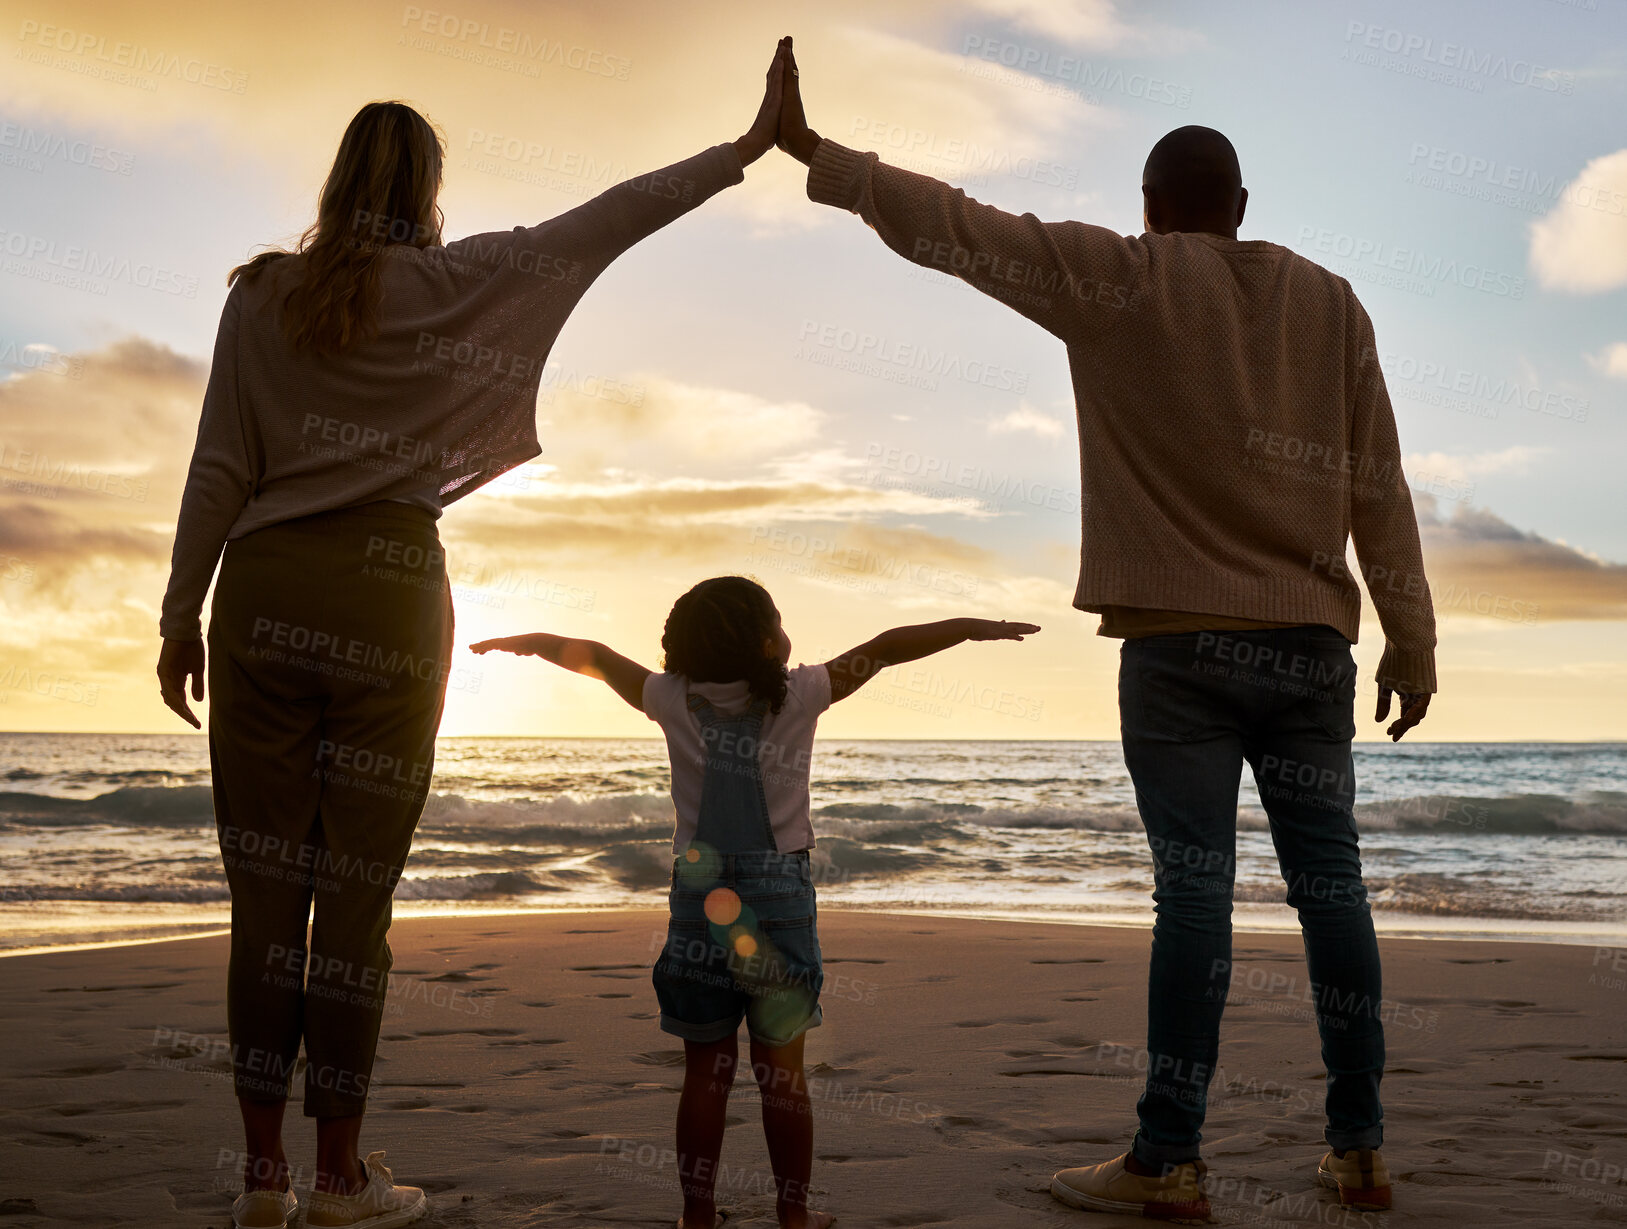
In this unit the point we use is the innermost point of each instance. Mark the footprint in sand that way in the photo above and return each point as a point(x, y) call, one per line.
point(106, 1067)
point(660, 1058)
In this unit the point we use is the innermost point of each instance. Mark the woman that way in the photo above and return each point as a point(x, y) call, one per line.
point(359, 385)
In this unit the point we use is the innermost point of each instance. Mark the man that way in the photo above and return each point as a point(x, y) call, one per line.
point(1234, 431)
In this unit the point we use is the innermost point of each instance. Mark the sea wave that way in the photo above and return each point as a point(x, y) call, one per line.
point(594, 822)
point(131, 893)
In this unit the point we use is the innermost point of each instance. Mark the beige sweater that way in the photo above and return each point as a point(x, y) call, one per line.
point(443, 400)
point(1234, 428)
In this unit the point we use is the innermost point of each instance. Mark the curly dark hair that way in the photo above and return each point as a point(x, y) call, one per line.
point(715, 634)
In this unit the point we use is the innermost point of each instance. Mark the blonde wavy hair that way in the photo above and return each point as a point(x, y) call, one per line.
point(380, 191)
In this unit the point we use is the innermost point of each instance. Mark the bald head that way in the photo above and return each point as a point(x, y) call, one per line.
point(1192, 183)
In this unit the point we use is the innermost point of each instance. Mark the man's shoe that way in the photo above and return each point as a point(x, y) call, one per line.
point(1176, 1197)
point(1359, 1176)
point(381, 1204)
point(264, 1209)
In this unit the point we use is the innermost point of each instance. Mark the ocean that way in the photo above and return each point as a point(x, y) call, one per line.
point(110, 837)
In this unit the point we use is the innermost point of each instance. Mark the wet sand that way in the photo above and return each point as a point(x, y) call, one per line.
point(523, 1082)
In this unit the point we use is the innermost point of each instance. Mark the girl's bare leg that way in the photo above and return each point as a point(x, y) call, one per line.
point(702, 1108)
point(788, 1127)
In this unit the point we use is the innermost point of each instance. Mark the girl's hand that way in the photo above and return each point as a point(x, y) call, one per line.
point(526, 646)
point(990, 629)
point(764, 130)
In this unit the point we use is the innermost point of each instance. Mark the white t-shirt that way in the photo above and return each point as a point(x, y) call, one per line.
point(784, 757)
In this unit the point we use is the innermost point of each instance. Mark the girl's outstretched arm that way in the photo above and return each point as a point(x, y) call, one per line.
point(589, 657)
point(853, 669)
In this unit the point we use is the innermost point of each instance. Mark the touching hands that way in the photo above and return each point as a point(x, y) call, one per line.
point(796, 138)
point(760, 137)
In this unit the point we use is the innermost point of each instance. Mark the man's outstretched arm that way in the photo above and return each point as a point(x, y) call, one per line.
point(1067, 277)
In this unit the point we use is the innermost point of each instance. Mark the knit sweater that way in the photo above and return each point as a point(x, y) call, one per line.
point(441, 401)
point(1234, 428)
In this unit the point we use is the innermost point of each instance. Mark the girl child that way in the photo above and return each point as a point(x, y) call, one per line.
point(742, 943)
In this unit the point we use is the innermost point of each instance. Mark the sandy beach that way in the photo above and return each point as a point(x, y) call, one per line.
point(523, 1082)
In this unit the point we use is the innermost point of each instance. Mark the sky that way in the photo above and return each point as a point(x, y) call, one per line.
point(736, 394)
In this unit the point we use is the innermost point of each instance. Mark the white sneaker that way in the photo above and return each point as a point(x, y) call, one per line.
point(264, 1209)
point(381, 1204)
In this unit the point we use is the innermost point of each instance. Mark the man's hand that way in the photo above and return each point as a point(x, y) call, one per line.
point(796, 138)
point(760, 137)
point(990, 629)
point(176, 660)
point(1414, 708)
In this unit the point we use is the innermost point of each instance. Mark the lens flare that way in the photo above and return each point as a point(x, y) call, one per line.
point(722, 906)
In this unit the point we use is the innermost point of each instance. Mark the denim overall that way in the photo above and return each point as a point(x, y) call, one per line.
point(742, 941)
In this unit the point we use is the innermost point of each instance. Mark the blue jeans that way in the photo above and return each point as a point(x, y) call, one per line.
point(743, 938)
point(1194, 708)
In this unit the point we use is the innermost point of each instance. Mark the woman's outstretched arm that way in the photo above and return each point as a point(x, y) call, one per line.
point(589, 657)
point(572, 249)
point(853, 669)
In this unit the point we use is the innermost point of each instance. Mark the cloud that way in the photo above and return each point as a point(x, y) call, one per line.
point(1090, 24)
point(93, 454)
point(1460, 468)
point(552, 100)
point(828, 536)
point(1581, 245)
point(1026, 418)
point(1611, 361)
point(1478, 563)
point(690, 420)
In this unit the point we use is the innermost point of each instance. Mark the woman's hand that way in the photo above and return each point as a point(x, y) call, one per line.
point(176, 660)
point(764, 130)
point(796, 138)
point(990, 629)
